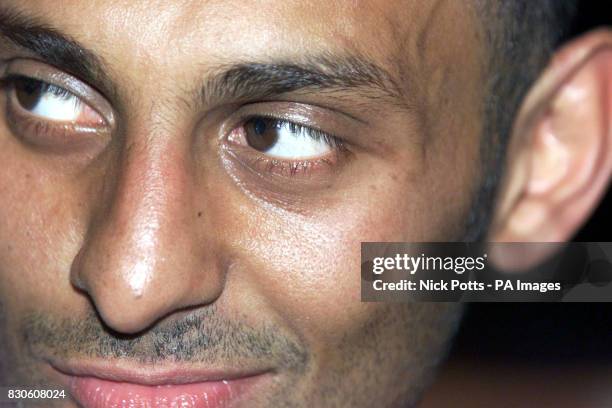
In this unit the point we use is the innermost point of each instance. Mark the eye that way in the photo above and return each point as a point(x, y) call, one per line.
point(53, 103)
point(286, 140)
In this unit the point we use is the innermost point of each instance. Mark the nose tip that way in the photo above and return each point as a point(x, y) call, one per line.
point(131, 296)
point(143, 257)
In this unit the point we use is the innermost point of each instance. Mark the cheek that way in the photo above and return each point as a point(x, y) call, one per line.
point(306, 269)
point(37, 232)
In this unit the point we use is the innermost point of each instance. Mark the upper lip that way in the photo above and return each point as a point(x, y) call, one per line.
point(152, 375)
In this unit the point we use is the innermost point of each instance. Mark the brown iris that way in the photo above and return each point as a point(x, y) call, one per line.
point(28, 92)
point(261, 133)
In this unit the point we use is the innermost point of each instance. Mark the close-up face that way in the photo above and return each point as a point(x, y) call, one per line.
point(184, 187)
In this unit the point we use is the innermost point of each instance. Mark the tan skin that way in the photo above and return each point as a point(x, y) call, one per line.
point(165, 212)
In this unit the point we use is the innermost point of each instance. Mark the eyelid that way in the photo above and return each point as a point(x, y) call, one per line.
point(45, 73)
point(311, 131)
point(312, 117)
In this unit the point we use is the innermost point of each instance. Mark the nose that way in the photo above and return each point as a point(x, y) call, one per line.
point(146, 251)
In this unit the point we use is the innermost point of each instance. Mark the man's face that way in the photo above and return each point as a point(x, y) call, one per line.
point(191, 211)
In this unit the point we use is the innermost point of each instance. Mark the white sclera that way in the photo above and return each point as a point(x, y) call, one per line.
point(57, 107)
point(296, 144)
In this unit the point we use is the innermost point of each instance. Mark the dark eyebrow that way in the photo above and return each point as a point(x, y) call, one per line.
point(56, 49)
point(245, 81)
point(323, 73)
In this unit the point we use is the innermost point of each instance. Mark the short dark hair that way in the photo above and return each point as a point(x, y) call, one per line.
point(521, 36)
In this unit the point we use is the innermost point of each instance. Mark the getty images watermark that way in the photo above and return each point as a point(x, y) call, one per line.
point(408, 272)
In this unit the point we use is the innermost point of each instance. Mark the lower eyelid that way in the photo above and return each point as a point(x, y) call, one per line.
point(88, 117)
point(295, 168)
point(100, 110)
point(60, 136)
point(265, 165)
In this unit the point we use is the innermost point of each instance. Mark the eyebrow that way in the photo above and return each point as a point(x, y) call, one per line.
point(229, 83)
point(322, 73)
point(56, 49)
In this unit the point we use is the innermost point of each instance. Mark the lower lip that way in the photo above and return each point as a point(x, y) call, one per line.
point(96, 393)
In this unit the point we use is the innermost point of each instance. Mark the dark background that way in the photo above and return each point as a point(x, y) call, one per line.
point(543, 332)
point(524, 355)
point(532, 355)
point(548, 331)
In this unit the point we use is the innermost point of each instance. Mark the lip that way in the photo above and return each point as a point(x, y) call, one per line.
point(113, 384)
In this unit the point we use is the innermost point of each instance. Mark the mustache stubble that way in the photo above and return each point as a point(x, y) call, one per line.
point(202, 336)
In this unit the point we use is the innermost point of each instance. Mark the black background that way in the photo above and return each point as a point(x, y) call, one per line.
point(547, 332)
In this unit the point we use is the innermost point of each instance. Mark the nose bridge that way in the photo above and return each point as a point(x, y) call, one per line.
point(145, 212)
point(141, 260)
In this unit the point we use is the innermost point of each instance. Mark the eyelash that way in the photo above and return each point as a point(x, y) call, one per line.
point(258, 160)
point(10, 82)
point(312, 132)
point(47, 134)
point(44, 86)
point(291, 168)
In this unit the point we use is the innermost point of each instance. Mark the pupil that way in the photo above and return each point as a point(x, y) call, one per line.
point(260, 126)
point(261, 133)
point(28, 92)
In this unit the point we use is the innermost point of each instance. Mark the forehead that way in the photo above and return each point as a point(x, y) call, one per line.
point(173, 34)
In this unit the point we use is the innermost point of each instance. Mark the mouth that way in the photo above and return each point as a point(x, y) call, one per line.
point(112, 384)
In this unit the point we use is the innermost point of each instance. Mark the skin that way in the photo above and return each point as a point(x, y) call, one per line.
point(158, 197)
point(107, 251)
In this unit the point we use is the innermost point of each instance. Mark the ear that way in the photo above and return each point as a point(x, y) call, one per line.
point(559, 160)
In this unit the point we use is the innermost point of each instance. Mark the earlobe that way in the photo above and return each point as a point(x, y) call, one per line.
point(560, 162)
